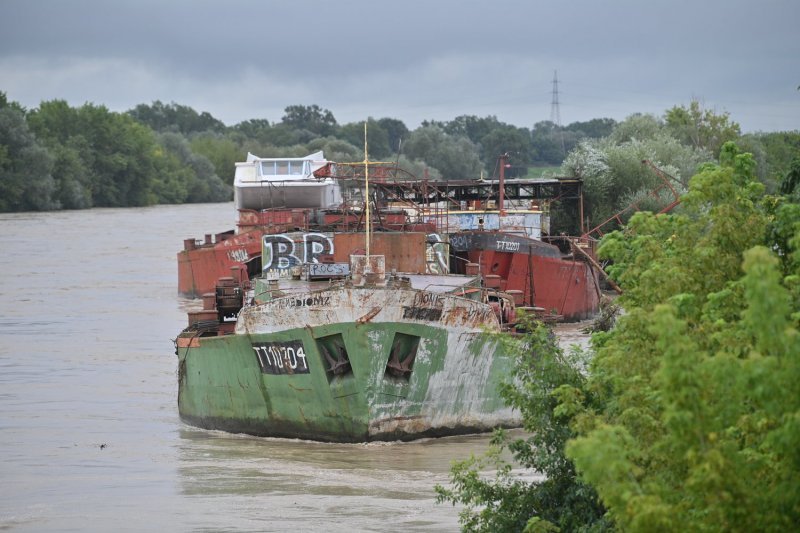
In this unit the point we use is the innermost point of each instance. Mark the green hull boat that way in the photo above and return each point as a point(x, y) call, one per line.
point(369, 357)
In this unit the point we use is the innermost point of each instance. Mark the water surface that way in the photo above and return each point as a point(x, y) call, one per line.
point(90, 438)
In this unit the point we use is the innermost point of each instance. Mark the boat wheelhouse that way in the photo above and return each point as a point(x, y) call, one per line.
point(288, 182)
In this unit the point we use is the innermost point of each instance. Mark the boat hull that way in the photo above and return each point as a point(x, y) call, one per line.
point(563, 287)
point(272, 379)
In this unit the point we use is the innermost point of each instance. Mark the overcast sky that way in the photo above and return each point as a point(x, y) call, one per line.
point(410, 59)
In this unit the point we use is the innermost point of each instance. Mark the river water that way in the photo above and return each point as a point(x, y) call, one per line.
point(90, 438)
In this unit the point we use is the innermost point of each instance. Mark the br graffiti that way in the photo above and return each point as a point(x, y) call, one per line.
point(284, 251)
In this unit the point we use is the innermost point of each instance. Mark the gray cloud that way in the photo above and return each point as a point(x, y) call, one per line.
point(411, 60)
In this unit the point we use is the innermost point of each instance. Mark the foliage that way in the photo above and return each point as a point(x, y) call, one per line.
point(470, 126)
point(26, 181)
point(790, 184)
point(774, 153)
point(418, 168)
point(102, 158)
point(313, 118)
point(109, 159)
point(542, 172)
point(337, 149)
point(222, 151)
point(539, 490)
point(193, 178)
point(112, 148)
point(551, 143)
point(594, 128)
point(695, 421)
point(378, 137)
point(258, 130)
point(701, 128)
point(396, 131)
point(637, 127)
point(455, 158)
point(174, 117)
point(511, 140)
point(613, 173)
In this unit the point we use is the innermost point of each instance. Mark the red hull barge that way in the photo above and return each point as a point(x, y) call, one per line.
point(495, 228)
point(537, 274)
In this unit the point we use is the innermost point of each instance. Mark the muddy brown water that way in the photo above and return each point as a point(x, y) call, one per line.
point(90, 438)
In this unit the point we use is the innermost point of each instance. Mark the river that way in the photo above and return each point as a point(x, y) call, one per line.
point(90, 438)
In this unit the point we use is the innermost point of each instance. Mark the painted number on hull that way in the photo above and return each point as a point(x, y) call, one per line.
point(281, 357)
point(507, 246)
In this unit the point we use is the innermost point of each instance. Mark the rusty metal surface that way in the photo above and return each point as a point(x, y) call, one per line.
point(404, 252)
point(340, 304)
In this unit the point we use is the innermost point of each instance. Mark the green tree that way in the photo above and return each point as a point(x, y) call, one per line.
point(594, 128)
point(318, 121)
point(511, 140)
point(110, 154)
point(456, 158)
point(194, 179)
point(555, 499)
point(637, 126)
point(701, 128)
point(254, 129)
point(378, 137)
point(693, 423)
point(470, 126)
point(222, 151)
point(396, 130)
point(774, 153)
point(337, 149)
point(546, 141)
point(26, 167)
point(4, 102)
point(121, 157)
point(74, 184)
point(614, 176)
point(176, 118)
point(790, 184)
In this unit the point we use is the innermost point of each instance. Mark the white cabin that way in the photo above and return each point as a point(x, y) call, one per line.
point(285, 182)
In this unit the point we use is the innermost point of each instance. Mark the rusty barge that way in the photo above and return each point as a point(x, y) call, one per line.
point(350, 351)
point(340, 312)
point(289, 209)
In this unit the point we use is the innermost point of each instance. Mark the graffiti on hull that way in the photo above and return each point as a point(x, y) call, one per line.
point(436, 255)
point(281, 252)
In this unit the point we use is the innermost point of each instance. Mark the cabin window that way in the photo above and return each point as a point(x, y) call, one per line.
point(268, 168)
point(284, 168)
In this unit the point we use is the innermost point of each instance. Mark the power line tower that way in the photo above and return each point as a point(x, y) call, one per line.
point(555, 112)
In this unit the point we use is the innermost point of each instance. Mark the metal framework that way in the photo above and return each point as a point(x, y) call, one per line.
point(664, 185)
point(396, 185)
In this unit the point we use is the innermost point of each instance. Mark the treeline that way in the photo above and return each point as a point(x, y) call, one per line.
point(62, 157)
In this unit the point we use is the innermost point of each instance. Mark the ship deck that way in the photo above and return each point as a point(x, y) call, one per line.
point(435, 283)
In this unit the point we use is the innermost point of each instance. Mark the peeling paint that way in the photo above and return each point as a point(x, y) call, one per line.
point(449, 386)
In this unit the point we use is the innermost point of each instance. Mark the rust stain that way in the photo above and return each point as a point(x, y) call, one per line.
point(188, 342)
point(369, 316)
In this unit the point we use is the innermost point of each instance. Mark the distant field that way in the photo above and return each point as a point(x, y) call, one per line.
point(542, 172)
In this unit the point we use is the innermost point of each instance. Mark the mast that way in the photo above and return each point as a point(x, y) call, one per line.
point(366, 188)
point(503, 162)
